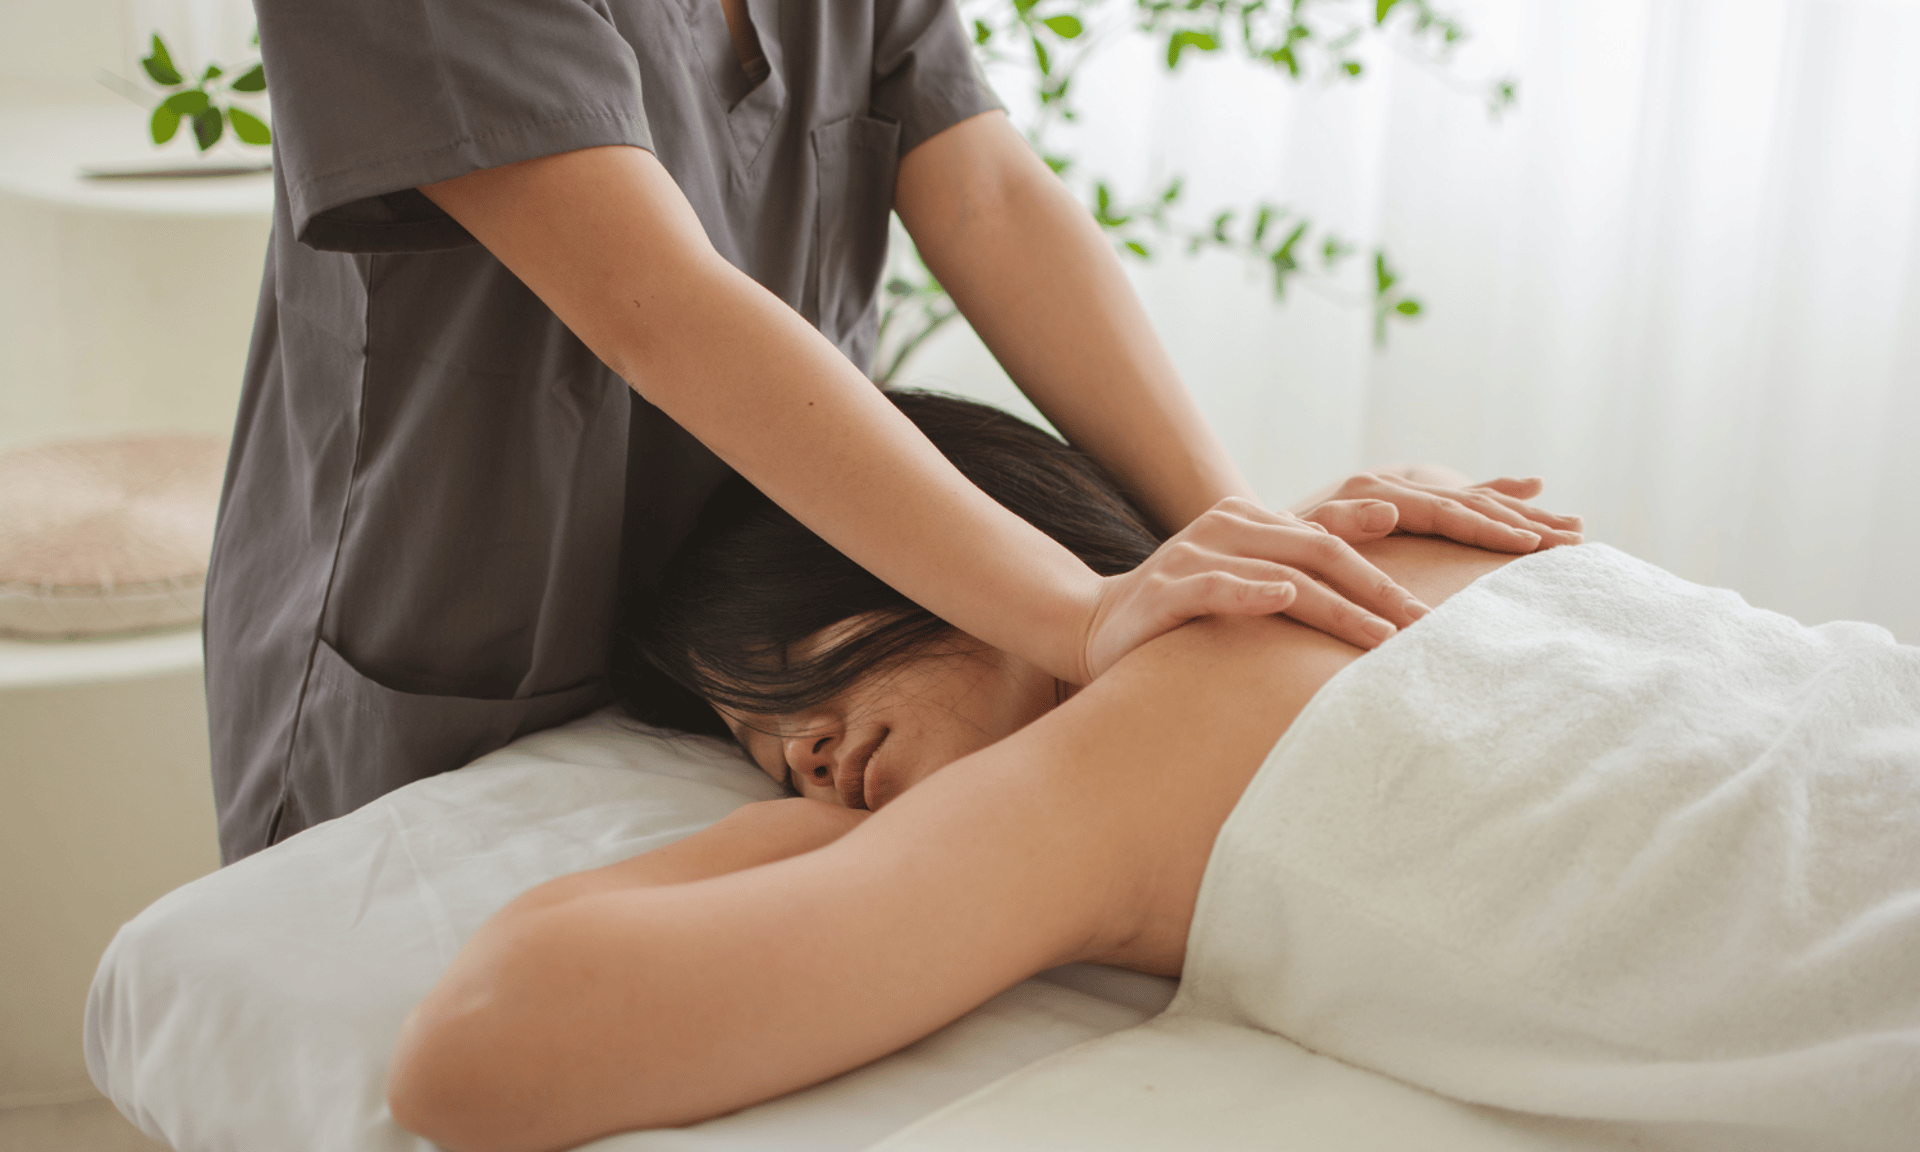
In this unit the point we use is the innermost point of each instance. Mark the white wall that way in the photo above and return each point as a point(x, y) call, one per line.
point(123, 307)
point(68, 42)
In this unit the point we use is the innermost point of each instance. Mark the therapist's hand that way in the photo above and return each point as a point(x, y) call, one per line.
point(1494, 515)
point(1241, 559)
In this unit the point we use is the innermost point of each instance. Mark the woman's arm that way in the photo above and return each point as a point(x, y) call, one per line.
point(609, 1001)
point(606, 239)
point(1083, 836)
point(1041, 285)
point(749, 836)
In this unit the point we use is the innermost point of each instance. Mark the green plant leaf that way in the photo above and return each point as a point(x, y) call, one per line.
point(192, 102)
point(1350, 67)
point(1139, 249)
point(159, 65)
point(899, 287)
point(1065, 27)
point(1285, 251)
point(1260, 223)
point(1024, 6)
point(1334, 250)
point(1188, 38)
point(165, 123)
point(208, 126)
point(213, 71)
point(1408, 307)
point(981, 33)
point(1502, 96)
point(1282, 269)
point(1383, 278)
point(1172, 193)
point(1381, 8)
point(250, 128)
point(1040, 56)
point(253, 79)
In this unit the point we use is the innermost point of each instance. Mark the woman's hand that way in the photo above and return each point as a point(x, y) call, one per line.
point(1493, 515)
point(1240, 559)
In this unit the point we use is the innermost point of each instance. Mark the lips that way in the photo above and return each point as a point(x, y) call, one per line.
point(852, 774)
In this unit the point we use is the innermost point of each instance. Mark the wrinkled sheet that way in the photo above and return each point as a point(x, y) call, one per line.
point(256, 1007)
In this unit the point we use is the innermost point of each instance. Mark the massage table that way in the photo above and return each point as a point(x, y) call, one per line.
point(1614, 861)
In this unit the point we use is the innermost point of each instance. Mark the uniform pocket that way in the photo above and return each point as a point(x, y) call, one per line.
point(855, 160)
point(359, 739)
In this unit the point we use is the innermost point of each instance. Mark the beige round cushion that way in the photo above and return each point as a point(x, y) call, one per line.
point(105, 536)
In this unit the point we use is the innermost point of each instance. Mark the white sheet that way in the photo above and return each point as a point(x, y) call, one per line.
point(1589, 843)
point(256, 1007)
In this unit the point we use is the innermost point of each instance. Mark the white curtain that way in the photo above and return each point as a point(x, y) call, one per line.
point(1681, 280)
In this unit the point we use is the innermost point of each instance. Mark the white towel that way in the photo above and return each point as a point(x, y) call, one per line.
point(1592, 841)
point(1627, 860)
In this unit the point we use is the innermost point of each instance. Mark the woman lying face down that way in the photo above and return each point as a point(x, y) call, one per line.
point(837, 686)
point(977, 833)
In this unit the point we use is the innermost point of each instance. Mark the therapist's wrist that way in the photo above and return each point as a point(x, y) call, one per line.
point(1177, 500)
point(1047, 617)
point(1069, 629)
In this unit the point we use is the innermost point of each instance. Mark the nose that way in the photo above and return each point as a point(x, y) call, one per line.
point(812, 756)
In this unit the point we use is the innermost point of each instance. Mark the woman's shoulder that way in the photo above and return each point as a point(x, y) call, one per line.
point(1432, 568)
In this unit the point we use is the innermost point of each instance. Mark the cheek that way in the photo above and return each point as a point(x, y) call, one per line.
point(940, 736)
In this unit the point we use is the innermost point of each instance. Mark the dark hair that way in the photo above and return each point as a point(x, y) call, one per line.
point(728, 613)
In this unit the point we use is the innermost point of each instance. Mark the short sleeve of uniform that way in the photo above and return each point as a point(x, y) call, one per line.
point(925, 77)
point(372, 98)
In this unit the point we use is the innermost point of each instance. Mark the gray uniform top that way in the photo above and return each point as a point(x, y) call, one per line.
point(436, 492)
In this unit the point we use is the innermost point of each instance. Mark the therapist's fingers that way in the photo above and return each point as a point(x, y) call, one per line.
point(1321, 553)
point(1484, 515)
point(1557, 528)
point(1521, 488)
point(1470, 517)
point(1320, 607)
point(1225, 592)
point(1495, 515)
point(1241, 559)
point(1356, 521)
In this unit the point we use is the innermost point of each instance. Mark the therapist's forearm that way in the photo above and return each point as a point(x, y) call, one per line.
point(606, 240)
point(1042, 286)
point(781, 405)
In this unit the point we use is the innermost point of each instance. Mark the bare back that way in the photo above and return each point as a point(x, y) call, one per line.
point(1190, 725)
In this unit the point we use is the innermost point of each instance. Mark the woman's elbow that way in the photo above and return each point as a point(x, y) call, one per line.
point(434, 1088)
point(460, 1076)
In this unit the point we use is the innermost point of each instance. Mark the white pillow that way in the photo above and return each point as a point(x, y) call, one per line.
point(257, 1007)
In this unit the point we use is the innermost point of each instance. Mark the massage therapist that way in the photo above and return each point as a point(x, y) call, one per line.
point(543, 271)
